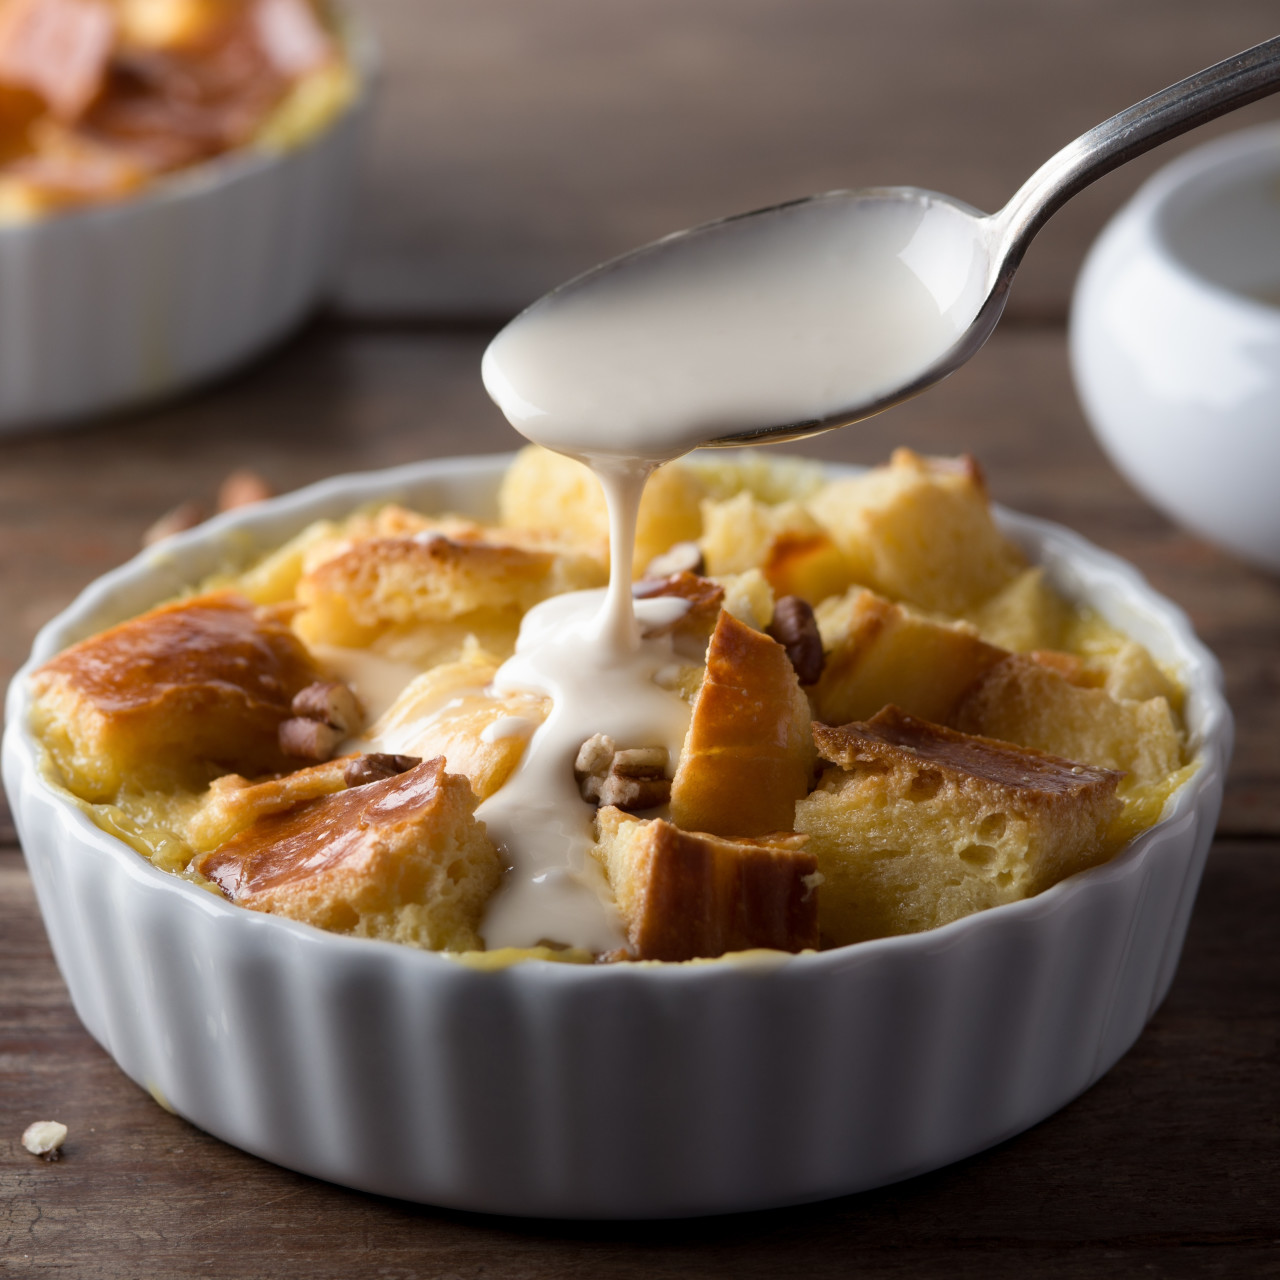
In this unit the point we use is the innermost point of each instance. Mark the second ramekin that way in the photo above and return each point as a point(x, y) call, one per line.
point(112, 306)
point(625, 1090)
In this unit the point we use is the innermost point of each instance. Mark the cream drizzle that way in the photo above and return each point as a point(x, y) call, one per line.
point(586, 652)
point(782, 318)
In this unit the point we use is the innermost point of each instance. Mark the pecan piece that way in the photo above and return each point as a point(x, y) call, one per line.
point(595, 757)
point(241, 489)
point(186, 515)
point(635, 778)
point(306, 739)
point(332, 703)
point(796, 630)
point(683, 557)
point(634, 793)
point(374, 766)
point(44, 1138)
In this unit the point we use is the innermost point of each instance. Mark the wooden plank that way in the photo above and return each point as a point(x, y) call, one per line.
point(517, 144)
point(74, 504)
point(1170, 1165)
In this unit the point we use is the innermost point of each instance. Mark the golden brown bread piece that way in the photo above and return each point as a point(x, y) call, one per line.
point(547, 491)
point(387, 582)
point(794, 552)
point(1029, 702)
point(920, 530)
point(172, 697)
point(233, 802)
point(57, 49)
point(914, 824)
point(687, 894)
point(403, 859)
point(1026, 614)
point(748, 755)
point(878, 653)
point(447, 711)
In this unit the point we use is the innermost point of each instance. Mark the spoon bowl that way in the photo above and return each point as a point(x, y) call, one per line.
point(802, 317)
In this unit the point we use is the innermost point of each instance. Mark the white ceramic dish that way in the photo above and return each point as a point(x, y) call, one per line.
point(610, 1091)
point(1175, 341)
point(116, 305)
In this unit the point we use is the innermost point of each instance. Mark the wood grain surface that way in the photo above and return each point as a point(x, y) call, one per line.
point(515, 144)
point(1166, 1167)
point(519, 143)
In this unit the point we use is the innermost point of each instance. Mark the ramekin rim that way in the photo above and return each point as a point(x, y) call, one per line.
point(21, 754)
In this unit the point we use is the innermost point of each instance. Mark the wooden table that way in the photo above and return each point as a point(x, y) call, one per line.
point(516, 144)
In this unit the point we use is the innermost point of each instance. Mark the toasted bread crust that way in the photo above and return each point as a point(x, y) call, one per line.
point(748, 756)
point(899, 740)
point(403, 858)
point(688, 894)
point(915, 824)
point(203, 682)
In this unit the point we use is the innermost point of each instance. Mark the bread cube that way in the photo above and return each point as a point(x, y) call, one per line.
point(920, 530)
point(403, 859)
point(793, 551)
point(448, 712)
point(1131, 674)
point(914, 825)
point(749, 597)
point(748, 755)
point(381, 584)
point(545, 490)
point(1025, 615)
point(765, 474)
point(1026, 702)
point(688, 894)
point(878, 653)
point(173, 697)
point(234, 802)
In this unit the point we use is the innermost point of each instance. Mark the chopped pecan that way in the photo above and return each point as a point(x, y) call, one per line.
point(306, 739)
point(332, 703)
point(796, 630)
point(374, 766)
point(241, 489)
point(186, 515)
point(595, 757)
point(635, 778)
point(683, 557)
point(634, 793)
point(44, 1138)
point(703, 596)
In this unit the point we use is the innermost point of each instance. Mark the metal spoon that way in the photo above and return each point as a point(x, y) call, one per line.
point(988, 248)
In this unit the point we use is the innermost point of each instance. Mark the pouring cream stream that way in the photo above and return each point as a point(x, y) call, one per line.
point(765, 320)
point(773, 325)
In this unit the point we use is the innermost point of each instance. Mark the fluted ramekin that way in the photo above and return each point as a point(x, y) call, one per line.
point(619, 1090)
point(115, 305)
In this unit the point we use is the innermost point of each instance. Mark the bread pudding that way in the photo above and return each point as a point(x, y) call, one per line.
point(100, 98)
point(877, 718)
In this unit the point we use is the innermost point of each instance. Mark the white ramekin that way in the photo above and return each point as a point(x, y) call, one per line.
point(116, 305)
point(1175, 341)
point(610, 1091)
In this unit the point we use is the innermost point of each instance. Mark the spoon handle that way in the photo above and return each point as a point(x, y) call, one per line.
point(1212, 92)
